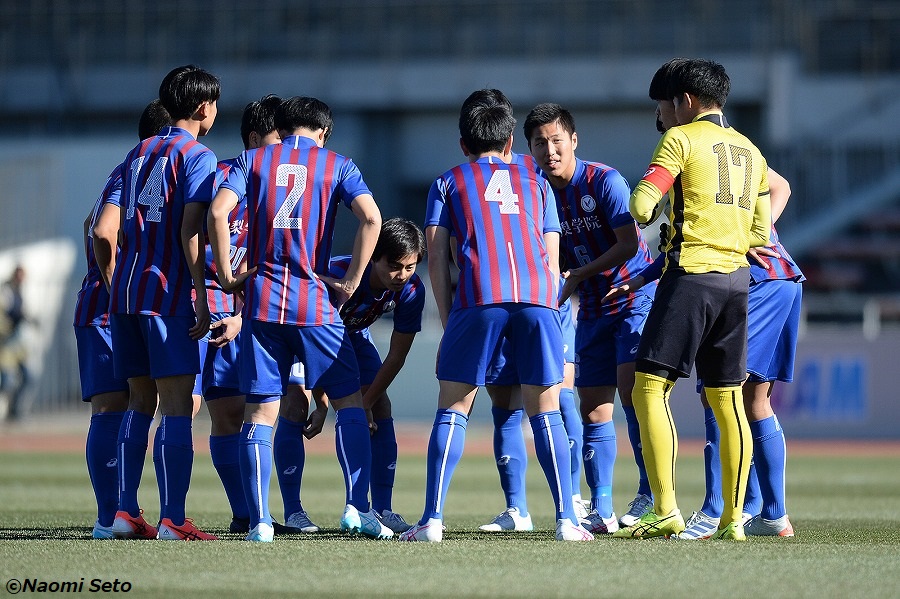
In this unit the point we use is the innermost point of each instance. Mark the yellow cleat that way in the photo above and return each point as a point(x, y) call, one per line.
point(651, 525)
point(733, 532)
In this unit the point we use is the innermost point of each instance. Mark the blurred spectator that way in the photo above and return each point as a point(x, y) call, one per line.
point(13, 354)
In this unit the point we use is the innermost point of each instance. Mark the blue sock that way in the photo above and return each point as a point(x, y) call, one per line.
point(752, 498)
point(599, 459)
point(769, 454)
point(571, 416)
point(290, 458)
point(445, 448)
point(712, 503)
point(384, 464)
point(256, 470)
point(132, 447)
point(511, 456)
point(634, 437)
point(225, 458)
point(100, 452)
point(354, 452)
point(551, 445)
point(173, 457)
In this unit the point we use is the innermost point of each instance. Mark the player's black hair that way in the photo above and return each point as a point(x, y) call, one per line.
point(703, 78)
point(259, 116)
point(659, 84)
point(305, 112)
point(486, 121)
point(399, 237)
point(544, 114)
point(153, 119)
point(185, 88)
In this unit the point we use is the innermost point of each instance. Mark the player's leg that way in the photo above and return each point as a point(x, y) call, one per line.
point(108, 396)
point(226, 413)
point(704, 523)
point(510, 457)
point(384, 465)
point(290, 451)
point(260, 415)
point(571, 415)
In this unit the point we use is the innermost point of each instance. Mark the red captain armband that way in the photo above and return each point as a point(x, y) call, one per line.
point(659, 177)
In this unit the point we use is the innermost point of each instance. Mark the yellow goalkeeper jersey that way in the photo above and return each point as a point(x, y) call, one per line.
point(719, 195)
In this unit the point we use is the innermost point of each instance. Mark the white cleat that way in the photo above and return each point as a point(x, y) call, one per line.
point(636, 510)
point(507, 521)
point(430, 532)
point(581, 507)
point(596, 523)
point(102, 532)
point(698, 527)
point(566, 530)
point(394, 521)
point(261, 533)
point(761, 527)
point(299, 522)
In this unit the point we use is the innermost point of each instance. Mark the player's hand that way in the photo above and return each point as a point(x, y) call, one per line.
point(573, 279)
point(199, 330)
point(371, 418)
point(224, 331)
point(315, 422)
point(343, 288)
point(624, 289)
point(235, 283)
point(664, 230)
point(757, 254)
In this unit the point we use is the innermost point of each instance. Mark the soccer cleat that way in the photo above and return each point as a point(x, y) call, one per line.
point(261, 533)
point(102, 532)
point(745, 518)
point(509, 520)
point(393, 520)
point(168, 531)
point(298, 522)
point(239, 525)
point(734, 531)
point(762, 527)
point(430, 532)
point(598, 524)
point(699, 526)
point(636, 509)
point(126, 526)
point(364, 523)
point(566, 530)
point(581, 508)
point(651, 525)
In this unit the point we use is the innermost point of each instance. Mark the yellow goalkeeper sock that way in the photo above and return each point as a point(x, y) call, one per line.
point(659, 440)
point(735, 447)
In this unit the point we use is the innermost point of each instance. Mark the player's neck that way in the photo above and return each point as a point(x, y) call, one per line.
point(498, 156)
point(190, 125)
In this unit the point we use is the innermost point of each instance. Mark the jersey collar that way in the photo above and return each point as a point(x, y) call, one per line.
point(714, 117)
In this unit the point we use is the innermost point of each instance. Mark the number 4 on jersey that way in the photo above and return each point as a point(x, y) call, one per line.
point(499, 189)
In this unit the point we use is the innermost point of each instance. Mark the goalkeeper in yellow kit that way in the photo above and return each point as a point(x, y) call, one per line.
point(719, 209)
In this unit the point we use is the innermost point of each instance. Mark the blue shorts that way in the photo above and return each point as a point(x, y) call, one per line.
point(568, 331)
point(474, 339)
point(773, 320)
point(155, 346)
point(269, 350)
point(602, 344)
point(366, 357)
point(221, 369)
point(95, 362)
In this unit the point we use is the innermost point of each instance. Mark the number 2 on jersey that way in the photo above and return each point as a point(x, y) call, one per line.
point(499, 189)
point(283, 218)
point(739, 157)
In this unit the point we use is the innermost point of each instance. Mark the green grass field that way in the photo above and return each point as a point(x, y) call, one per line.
point(844, 509)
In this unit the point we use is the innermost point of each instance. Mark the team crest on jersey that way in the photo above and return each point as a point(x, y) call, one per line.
point(588, 203)
point(389, 306)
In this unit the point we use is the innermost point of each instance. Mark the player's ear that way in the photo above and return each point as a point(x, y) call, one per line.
point(254, 140)
point(507, 149)
point(574, 140)
point(462, 146)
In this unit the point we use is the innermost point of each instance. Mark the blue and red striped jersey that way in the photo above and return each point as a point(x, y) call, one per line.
point(160, 176)
point(498, 214)
point(92, 302)
point(221, 301)
point(293, 190)
point(783, 268)
point(366, 305)
point(591, 207)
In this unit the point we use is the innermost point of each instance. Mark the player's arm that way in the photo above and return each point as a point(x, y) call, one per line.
point(366, 211)
point(390, 367)
point(625, 247)
point(194, 252)
point(645, 202)
point(316, 419)
point(437, 240)
point(761, 226)
point(106, 238)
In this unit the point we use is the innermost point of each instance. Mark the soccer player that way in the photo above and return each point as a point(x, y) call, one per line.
point(389, 285)
point(107, 394)
point(219, 381)
point(603, 247)
point(291, 307)
point(167, 185)
point(720, 208)
point(507, 238)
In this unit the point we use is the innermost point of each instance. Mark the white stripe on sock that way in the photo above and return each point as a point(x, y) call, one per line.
point(559, 493)
point(345, 464)
point(440, 481)
point(259, 497)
